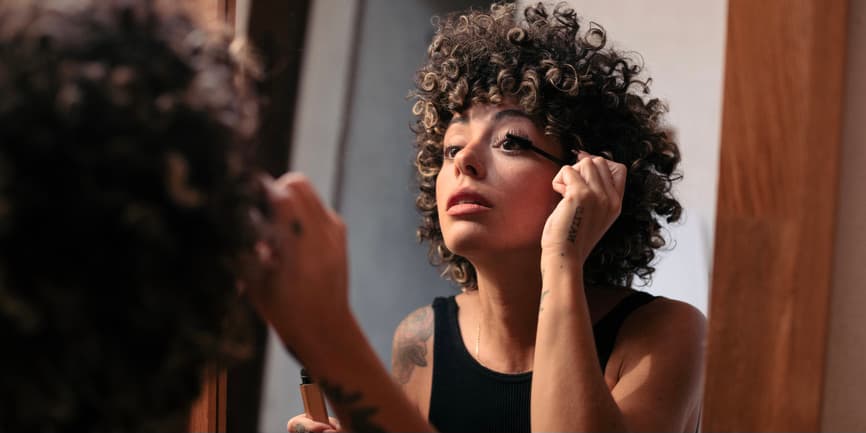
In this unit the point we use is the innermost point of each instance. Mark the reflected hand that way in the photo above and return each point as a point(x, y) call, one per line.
point(299, 281)
point(303, 424)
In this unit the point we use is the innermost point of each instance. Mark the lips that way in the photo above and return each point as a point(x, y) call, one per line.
point(466, 202)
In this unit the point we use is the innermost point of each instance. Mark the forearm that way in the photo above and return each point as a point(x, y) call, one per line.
point(568, 388)
point(355, 381)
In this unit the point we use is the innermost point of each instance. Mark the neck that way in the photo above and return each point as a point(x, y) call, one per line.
point(509, 289)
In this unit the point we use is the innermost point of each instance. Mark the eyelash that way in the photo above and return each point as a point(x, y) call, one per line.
point(512, 136)
point(516, 137)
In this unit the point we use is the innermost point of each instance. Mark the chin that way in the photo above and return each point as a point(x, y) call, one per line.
point(472, 242)
point(465, 244)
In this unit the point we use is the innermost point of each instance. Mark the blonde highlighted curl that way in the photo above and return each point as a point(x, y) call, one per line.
point(588, 96)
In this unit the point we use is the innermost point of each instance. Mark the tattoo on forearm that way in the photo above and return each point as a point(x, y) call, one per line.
point(575, 223)
point(410, 344)
point(297, 229)
point(541, 302)
point(299, 428)
point(349, 403)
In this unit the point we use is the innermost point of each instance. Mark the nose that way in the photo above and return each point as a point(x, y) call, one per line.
point(469, 162)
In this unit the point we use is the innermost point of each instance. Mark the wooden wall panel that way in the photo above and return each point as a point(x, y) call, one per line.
point(208, 413)
point(777, 199)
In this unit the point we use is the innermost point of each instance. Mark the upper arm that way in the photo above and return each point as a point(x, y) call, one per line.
point(412, 356)
point(661, 366)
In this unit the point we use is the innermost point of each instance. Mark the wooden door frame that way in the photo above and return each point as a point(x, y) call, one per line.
point(776, 215)
point(208, 412)
point(230, 399)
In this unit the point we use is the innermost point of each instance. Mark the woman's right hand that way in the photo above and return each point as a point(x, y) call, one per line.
point(303, 424)
point(592, 192)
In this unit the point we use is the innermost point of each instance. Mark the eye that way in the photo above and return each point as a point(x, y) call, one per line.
point(451, 151)
point(514, 143)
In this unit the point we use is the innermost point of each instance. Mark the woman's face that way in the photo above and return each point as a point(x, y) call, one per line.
point(494, 195)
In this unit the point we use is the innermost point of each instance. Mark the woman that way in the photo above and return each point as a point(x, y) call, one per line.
point(544, 175)
point(544, 236)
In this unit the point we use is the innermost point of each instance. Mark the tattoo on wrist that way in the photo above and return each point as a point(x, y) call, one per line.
point(358, 414)
point(575, 223)
point(541, 301)
point(410, 344)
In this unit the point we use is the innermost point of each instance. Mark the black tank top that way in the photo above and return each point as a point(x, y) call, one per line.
point(468, 397)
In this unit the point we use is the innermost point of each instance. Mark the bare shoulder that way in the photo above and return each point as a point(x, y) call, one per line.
point(412, 344)
point(664, 328)
point(665, 322)
point(655, 369)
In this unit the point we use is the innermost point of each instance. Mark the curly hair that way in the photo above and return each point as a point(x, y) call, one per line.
point(584, 94)
point(125, 195)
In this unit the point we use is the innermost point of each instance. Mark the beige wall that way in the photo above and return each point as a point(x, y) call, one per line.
point(845, 383)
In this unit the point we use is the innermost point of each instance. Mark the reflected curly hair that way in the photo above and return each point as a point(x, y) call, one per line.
point(125, 195)
point(586, 95)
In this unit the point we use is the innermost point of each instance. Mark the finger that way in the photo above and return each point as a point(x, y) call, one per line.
point(573, 180)
point(301, 185)
point(557, 182)
point(296, 214)
point(283, 181)
point(606, 178)
point(281, 202)
point(302, 424)
point(289, 182)
point(318, 211)
point(251, 271)
point(337, 222)
point(265, 247)
point(588, 170)
point(568, 176)
point(619, 172)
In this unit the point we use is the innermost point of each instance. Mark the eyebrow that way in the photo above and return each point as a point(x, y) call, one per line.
point(511, 112)
point(461, 120)
point(498, 117)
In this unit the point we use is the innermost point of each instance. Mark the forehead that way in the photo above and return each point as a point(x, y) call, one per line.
point(490, 113)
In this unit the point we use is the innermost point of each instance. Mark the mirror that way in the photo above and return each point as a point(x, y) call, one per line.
point(352, 139)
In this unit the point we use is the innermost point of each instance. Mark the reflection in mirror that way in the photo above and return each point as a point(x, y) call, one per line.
point(352, 138)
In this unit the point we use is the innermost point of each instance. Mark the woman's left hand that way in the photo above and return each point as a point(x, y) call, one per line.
point(592, 191)
point(299, 280)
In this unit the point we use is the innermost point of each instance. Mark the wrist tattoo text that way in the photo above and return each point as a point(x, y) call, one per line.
point(575, 223)
point(541, 301)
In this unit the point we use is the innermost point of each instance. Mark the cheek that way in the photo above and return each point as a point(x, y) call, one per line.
point(533, 185)
point(440, 195)
point(444, 187)
point(531, 199)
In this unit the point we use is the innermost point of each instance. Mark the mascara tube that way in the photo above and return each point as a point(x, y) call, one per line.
point(314, 402)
